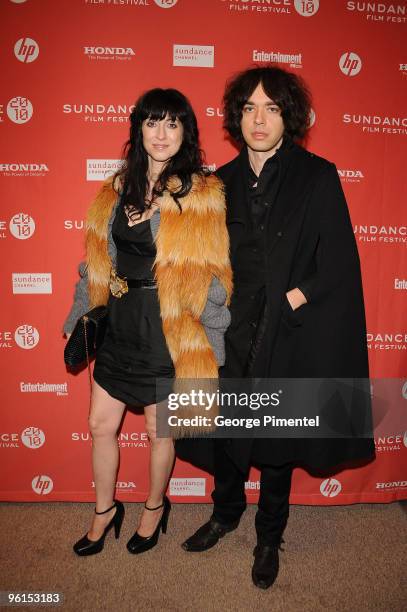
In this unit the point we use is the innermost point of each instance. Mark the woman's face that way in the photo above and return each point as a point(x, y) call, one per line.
point(162, 139)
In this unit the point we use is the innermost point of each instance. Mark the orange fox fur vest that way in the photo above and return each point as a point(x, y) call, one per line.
point(192, 247)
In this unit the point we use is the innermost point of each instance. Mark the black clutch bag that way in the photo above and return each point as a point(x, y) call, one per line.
point(86, 337)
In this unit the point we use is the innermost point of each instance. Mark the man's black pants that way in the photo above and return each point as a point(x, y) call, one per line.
point(230, 499)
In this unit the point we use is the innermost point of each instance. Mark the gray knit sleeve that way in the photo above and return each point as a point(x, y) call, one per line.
point(80, 302)
point(215, 317)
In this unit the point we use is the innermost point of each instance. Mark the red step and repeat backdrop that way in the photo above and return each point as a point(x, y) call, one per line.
point(71, 71)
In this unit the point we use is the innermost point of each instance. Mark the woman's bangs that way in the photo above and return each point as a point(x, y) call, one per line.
point(160, 103)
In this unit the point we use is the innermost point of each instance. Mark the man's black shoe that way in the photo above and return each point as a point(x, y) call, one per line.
point(207, 536)
point(265, 566)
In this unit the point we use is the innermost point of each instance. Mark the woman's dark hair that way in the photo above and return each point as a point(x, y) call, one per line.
point(286, 89)
point(156, 104)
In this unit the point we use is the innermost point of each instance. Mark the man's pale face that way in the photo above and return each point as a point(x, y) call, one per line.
point(262, 125)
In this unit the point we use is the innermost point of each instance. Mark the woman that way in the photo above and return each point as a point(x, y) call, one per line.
point(158, 255)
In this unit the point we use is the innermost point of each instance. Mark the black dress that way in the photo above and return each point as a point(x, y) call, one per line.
point(134, 352)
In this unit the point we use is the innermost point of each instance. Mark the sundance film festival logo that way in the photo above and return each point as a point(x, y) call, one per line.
point(31, 282)
point(312, 118)
point(42, 485)
point(197, 56)
point(389, 12)
point(386, 444)
point(305, 8)
point(350, 64)
point(22, 226)
point(100, 113)
point(377, 124)
point(166, 3)
point(387, 341)
point(19, 110)
point(26, 50)
point(18, 169)
point(101, 169)
point(33, 437)
point(330, 487)
point(383, 234)
point(109, 53)
point(118, 3)
point(132, 439)
point(26, 337)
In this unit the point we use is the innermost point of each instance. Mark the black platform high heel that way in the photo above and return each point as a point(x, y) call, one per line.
point(85, 547)
point(137, 543)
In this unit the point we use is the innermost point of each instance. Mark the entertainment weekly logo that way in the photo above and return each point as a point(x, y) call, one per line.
point(101, 169)
point(18, 169)
point(196, 56)
point(188, 487)
point(26, 50)
point(109, 53)
point(99, 113)
point(381, 234)
point(133, 439)
point(384, 12)
point(376, 124)
point(60, 389)
point(293, 60)
point(391, 443)
point(387, 341)
point(31, 437)
point(400, 283)
point(305, 8)
point(31, 282)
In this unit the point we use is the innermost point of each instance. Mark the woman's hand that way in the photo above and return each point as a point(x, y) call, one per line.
point(296, 298)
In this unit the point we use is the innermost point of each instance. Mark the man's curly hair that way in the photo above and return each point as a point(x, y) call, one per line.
point(286, 89)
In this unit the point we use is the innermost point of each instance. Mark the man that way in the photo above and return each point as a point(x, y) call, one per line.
point(297, 309)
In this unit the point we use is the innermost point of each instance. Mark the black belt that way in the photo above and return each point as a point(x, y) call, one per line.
point(141, 283)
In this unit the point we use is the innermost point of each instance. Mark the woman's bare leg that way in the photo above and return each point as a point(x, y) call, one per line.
point(162, 457)
point(104, 421)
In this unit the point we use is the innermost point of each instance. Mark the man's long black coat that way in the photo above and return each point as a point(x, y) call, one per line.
point(310, 244)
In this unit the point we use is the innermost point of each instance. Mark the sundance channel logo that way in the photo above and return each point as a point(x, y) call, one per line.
point(195, 56)
point(384, 12)
point(101, 169)
point(188, 487)
point(305, 8)
point(31, 282)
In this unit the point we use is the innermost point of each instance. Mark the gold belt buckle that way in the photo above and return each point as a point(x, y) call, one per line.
point(118, 286)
